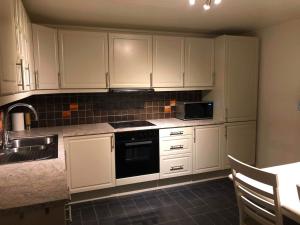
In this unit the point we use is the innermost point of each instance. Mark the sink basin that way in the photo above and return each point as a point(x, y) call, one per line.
point(30, 148)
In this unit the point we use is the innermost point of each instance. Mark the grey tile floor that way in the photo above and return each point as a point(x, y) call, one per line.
point(206, 203)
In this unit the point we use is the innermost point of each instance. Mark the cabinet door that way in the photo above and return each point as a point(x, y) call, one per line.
point(241, 78)
point(8, 54)
point(46, 57)
point(240, 142)
point(207, 152)
point(199, 62)
point(90, 162)
point(83, 59)
point(168, 61)
point(130, 62)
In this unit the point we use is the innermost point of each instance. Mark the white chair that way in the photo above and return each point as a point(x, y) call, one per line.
point(257, 194)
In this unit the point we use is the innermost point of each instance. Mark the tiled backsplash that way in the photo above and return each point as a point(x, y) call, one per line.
point(73, 109)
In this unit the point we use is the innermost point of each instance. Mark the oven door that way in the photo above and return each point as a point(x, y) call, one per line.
point(135, 158)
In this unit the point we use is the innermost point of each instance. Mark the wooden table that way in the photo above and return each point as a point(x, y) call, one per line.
point(288, 178)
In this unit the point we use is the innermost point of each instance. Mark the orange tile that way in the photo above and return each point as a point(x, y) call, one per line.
point(66, 114)
point(167, 109)
point(173, 102)
point(73, 107)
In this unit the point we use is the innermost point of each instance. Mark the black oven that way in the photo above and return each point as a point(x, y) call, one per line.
point(137, 153)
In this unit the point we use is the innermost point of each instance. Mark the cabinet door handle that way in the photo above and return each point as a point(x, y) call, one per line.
point(22, 74)
point(176, 147)
point(37, 79)
point(174, 168)
point(151, 80)
point(183, 78)
point(176, 133)
point(107, 79)
point(112, 143)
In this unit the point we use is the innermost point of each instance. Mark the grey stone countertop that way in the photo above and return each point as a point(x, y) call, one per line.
point(37, 182)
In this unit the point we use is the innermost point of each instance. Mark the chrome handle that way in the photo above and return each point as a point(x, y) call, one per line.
point(151, 80)
point(176, 133)
point(29, 77)
point(107, 79)
point(36, 79)
point(176, 147)
point(22, 74)
point(183, 78)
point(112, 143)
point(59, 80)
point(174, 168)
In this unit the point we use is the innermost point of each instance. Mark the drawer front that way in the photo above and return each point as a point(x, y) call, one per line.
point(175, 166)
point(171, 146)
point(176, 132)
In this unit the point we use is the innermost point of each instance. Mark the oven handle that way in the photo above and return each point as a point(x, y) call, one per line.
point(138, 143)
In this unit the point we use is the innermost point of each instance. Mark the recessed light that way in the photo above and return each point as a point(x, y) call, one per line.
point(192, 2)
point(207, 4)
point(217, 2)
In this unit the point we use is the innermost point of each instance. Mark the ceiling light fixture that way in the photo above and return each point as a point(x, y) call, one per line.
point(192, 2)
point(207, 4)
point(217, 2)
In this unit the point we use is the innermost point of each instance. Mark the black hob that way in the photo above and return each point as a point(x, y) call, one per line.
point(136, 123)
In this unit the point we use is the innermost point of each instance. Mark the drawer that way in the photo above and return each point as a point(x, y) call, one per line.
point(176, 132)
point(171, 146)
point(174, 166)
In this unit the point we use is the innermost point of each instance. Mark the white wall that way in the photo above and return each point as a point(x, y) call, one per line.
point(279, 93)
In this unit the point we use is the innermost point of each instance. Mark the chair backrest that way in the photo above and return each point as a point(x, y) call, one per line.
point(257, 193)
point(298, 188)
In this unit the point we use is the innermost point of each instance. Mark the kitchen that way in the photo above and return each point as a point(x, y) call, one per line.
point(128, 118)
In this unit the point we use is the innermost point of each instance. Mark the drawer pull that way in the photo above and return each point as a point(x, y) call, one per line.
point(176, 147)
point(176, 133)
point(174, 168)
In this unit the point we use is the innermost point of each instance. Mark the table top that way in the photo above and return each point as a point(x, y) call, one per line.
point(288, 178)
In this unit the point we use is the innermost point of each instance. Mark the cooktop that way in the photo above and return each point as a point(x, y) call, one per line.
point(135, 123)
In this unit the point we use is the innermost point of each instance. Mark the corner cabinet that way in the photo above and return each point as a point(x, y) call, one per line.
point(130, 60)
point(46, 57)
point(240, 142)
point(199, 62)
point(209, 142)
point(90, 162)
point(168, 61)
point(83, 59)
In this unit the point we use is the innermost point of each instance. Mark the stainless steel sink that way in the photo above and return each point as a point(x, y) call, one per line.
point(30, 148)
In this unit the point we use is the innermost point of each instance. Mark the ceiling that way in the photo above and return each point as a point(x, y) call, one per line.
point(171, 15)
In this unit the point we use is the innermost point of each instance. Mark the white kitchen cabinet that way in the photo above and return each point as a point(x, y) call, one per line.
point(199, 62)
point(240, 142)
point(236, 84)
point(46, 57)
point(176, 148)
point(130, 60)
point(208, 148)
point(90, 162)
point(168, 61)
point(8, 48)
point(83, 59)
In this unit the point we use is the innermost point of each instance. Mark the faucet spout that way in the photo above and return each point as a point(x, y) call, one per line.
point(5, 137)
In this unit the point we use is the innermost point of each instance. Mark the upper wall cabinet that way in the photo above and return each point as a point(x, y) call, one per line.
point(199, 62)
point(83, 59)
point(168, 61)
point(130, 62)
point(8, 53)
point(46, 57)
point(236, 69)
point(241, 78)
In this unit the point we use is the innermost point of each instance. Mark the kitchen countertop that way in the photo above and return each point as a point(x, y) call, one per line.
point(36, 182)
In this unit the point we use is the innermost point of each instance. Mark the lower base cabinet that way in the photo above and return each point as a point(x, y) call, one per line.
point(209, 141)
point(240, 142)
point(90, 162)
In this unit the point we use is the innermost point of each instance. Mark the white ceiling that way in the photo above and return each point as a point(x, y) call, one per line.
point(173, 15)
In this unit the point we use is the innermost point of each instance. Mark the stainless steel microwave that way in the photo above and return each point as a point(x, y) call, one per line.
point(194, 110)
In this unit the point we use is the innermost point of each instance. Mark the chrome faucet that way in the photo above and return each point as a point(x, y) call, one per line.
point(5, 137)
